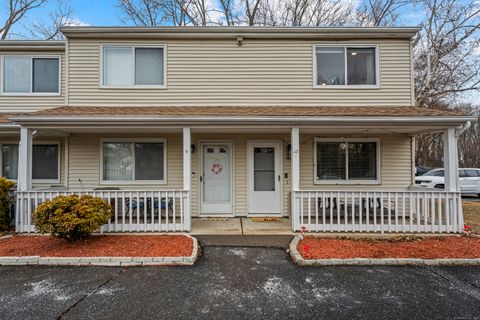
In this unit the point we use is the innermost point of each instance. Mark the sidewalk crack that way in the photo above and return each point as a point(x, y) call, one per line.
point(88, 294)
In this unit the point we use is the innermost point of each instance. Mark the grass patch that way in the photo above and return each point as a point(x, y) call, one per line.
point(471, 214)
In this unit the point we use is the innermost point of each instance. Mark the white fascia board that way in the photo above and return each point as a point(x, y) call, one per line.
point(233, 119)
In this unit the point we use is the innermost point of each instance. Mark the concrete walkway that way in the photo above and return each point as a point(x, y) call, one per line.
point(239, 283)
point(240, 226)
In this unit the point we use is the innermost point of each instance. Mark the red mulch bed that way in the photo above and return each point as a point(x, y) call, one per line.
point(429, 248)
point(99, 246)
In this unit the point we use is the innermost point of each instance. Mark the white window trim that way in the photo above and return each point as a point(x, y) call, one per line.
point(59, 161)
point(39, 181)
point(377, 85)
point(349, 181)
point(134, 182)
point(31, 93)
point(133, 47)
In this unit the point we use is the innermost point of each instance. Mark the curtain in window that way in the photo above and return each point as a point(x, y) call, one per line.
point(118, 161)
point(10, 161)
point(149, 66)
point(362, 160)
point(361, 66)
point(331, 162)
point(45, 162)
point(330, 66)
point(16, 75)
point(45, 75)
point(118, 66)
point(149, 161)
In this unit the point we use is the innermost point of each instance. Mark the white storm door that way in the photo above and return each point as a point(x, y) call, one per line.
point(264, 165)
point(216, 179)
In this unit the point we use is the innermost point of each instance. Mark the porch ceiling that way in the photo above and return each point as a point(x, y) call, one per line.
point(315, 119)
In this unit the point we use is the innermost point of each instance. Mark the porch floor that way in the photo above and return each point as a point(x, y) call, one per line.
point(240, 226)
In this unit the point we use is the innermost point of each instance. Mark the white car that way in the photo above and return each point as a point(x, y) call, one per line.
point(469, 180)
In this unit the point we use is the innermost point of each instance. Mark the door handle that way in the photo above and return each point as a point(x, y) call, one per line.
point(279, 178)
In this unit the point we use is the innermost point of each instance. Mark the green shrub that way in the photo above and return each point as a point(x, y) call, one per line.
point(6, 187)
point(72, 217)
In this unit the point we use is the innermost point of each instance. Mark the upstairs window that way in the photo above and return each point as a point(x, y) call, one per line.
point(345, 66)
point(31, 75)
point(133, 66)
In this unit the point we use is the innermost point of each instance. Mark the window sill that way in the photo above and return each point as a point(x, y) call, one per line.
point(346, 87)
point(133, 87)
point(31, 94)
point(43, 181)
point(345, 182)
point(135, 182)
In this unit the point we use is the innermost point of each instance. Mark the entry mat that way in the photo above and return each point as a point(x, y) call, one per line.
point(267, 219)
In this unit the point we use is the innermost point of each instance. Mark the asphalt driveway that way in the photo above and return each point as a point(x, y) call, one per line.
point(232, 283)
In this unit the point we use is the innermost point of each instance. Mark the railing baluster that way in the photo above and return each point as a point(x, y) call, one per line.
point(309, 208)
point(432, 211)
point(367, 212)
point(324, 203)
point(403, 212)
point(316, 211)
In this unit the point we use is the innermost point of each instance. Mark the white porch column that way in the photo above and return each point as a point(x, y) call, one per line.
point(295, 161)
point(187, 160)
point(450, 160)
point(25, 160)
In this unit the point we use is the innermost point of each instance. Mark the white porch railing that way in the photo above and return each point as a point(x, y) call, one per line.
point(133, 211)
point(378, 211)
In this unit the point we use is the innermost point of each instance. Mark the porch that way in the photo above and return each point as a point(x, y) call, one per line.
point(214, 170)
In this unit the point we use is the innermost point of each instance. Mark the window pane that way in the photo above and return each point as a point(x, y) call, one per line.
point(16, 74)
point(330, 66)
point(118, 161)
point(331, 161)
point(362, 160)
point(10, 161)
point(461, 173)
point(45, 162)
point(264, 169)
point(149, 66)
point(118, 66)
point(361, 66)
point(45, 75)
point(149, 161)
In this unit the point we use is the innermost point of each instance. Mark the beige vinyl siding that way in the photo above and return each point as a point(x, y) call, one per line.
point(395, 165)
point(84, 163)
point(17, 104)
point(219, 72)
point(45, 140)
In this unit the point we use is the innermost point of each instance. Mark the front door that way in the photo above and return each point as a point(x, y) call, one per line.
point(216, 179)
point(264, 165)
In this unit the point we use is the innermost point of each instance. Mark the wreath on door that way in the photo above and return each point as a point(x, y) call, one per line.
point(217, 168)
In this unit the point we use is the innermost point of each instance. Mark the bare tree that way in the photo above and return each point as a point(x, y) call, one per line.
point(446, 54)
point(143, 12)
point(376, 13)
point(60, 17)
point(16, 10)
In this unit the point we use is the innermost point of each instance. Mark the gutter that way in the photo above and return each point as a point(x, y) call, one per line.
point(251, 32)
point(32, 45)
point(311, 119)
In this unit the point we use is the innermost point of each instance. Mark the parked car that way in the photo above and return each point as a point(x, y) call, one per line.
point(421, 170)
point(469, 180)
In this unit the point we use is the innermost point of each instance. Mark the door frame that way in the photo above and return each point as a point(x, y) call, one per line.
point(202, 144)
point(249, 166)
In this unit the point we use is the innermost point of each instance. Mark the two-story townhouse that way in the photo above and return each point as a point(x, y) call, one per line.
point(169, 124)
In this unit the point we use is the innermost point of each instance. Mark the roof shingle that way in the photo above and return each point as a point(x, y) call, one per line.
point(245, 111)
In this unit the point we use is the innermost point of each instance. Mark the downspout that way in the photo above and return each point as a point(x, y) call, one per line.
point(463, 128)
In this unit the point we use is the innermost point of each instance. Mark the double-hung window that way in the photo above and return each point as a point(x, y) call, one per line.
point(45, 162)
point(129, 161)
point(30, 75)
point(346, 66)
point(133, 66)
point(346, 160)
